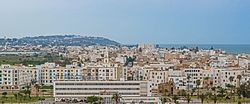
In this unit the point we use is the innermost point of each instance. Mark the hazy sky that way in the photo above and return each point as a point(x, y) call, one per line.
point(131, 21)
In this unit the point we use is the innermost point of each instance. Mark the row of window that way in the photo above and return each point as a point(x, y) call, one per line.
point(61, 70)
point(192, 70)
point(97, 83)
point(97, 88)
point(95, 94)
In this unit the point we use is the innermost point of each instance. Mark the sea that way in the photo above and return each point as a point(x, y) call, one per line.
point(234, 49)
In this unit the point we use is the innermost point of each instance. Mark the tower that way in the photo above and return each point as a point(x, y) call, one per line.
point(106, 55)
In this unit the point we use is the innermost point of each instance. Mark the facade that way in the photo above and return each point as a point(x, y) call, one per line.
point(157, 77)
point(13, 77)
point(178, 78)
point(227, 73)
point(50, 72)
point(100, 73)
point(195, 74)
point(104, 89)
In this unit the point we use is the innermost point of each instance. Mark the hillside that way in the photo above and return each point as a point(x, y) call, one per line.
point(55, 40)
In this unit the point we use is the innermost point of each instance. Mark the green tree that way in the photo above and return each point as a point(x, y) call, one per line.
point(188, 98)
point(175, 98)
point(231, 87)
point(221, 92)
point(214, 98)
point(15, 95)
point(116, 97)
point(239, 77)
point(19, 95)
point(244, 89)
point(182, 92)
point(231, 79)
point(27, 92)
point(193, 91)
point(92, 99)
point(214, 90)
point(188, 78)
point(198, 83)
point(4, 94)
point(163, 100)
point(202, 97)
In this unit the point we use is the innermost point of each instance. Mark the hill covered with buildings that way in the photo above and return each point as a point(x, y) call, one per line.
point(58, 40)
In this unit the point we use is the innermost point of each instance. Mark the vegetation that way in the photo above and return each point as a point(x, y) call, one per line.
point(188, 98)
point(47, 87)
point(33, 59)
point(198, 83)
point(175, 98)
point(93, 99)
point(4, 94)
point(239, 94)
point(18, 97)
point(116, 97)
point(202, 97)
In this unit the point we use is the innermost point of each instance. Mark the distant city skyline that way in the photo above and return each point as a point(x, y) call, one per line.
point(131, 21)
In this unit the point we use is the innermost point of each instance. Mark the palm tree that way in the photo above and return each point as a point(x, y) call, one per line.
point(205, 81)
point(214, 89)
point(188, 98)
point(37, 86)
point(231, 87)
point(15, 95)
point(164, 98)
point(193, 91)
point(175, 98)
point(231, 79)
point(214, 98)
point(19, 95)
point(202, 97)
point(27, 92)
point(182, 92)
point(239, 77)
point(198, 83)
point(188, 78)
point(116, 97)
point(222, 92)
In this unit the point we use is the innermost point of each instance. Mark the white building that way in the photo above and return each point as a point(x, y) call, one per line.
point(178, 77)
point(195, 74)
point(13, 77)
point(107, 73)
point(224, 75)
point(157, 77)
point(104, 89)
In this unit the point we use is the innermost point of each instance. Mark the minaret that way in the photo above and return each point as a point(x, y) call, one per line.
point(106, 57)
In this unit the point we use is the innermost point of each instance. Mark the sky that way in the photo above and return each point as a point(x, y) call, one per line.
point(131, 21)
